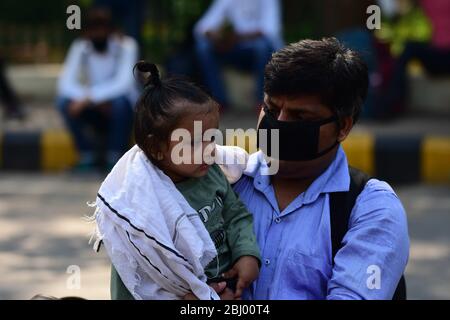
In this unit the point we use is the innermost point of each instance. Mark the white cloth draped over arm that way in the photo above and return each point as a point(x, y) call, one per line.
point(155, 240)
point(147, 271)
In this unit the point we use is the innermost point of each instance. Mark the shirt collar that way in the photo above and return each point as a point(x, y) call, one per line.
point(334, 179)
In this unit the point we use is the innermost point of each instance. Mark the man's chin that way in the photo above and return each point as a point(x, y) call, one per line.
point(294, 169)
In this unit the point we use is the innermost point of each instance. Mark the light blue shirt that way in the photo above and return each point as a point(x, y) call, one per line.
point(296, 242)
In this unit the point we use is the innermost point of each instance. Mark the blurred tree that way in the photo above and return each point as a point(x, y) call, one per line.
point(168, 24)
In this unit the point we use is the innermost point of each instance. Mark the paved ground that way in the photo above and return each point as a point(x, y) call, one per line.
point(42, 234)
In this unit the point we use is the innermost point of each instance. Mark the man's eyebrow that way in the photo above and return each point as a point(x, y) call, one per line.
point(307, 110)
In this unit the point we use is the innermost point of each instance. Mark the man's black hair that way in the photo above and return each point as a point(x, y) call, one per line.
point(323, 68)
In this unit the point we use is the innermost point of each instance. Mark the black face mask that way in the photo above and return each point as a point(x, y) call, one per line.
point(298, 140)
point(100, 44)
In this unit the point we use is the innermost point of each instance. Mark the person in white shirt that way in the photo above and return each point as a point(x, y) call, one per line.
point(97, 88)
point(254, 34)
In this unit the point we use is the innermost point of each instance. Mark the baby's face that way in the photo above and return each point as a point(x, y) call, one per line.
point(190, 152)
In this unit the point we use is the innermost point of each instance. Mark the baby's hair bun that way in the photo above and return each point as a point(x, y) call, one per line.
point(147, 67)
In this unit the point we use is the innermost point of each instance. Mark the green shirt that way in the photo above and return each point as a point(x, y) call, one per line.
point(225, 217)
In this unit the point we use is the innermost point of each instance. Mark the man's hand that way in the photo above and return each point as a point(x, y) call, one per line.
point(246, 269)
point(221, 289)
point(76, 107)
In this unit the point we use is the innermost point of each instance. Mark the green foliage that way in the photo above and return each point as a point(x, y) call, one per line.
point(167, 26)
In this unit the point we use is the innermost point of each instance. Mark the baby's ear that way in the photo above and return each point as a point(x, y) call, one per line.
point(154, 148)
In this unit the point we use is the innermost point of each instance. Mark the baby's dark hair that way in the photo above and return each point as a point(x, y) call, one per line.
point(163, 103)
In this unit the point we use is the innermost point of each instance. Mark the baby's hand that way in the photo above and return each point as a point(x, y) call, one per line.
point(246, 269)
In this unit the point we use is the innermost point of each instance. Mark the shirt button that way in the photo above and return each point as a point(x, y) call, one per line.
point(278, 220)
point(267, 262)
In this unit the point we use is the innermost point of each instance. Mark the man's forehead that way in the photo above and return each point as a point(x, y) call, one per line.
point(303, 103)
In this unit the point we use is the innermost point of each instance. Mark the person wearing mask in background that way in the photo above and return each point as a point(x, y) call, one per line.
point(97, 88)
point(346, 20)
point(129, 13)
point(240, 33)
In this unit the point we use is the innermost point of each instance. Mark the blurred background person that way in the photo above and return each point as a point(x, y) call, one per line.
point(129, 14)
point(346, 20)
point(433, 55)
point(182, 59)
point(240, 33)
point(12, 106)
point(97, 89)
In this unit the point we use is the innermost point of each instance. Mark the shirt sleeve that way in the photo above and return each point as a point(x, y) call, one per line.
point(213, 18)
point(375, 249)
point(123, 81)
point(69, 85)
point(238, 222)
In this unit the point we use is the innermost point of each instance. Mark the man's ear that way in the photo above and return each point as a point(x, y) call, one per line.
point(346, 125)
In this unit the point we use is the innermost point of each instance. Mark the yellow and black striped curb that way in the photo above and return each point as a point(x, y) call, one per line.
point(397, 159)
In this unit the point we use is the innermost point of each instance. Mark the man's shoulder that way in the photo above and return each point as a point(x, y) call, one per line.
point(243, 184)
point(127, 41)
point(124, 42)
point(377, 188)
point(79, 44)
point(378, 201)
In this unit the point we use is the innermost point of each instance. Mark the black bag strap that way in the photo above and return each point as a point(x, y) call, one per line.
point(341, 206)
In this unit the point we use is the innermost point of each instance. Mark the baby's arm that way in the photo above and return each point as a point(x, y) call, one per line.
point(241, 238)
